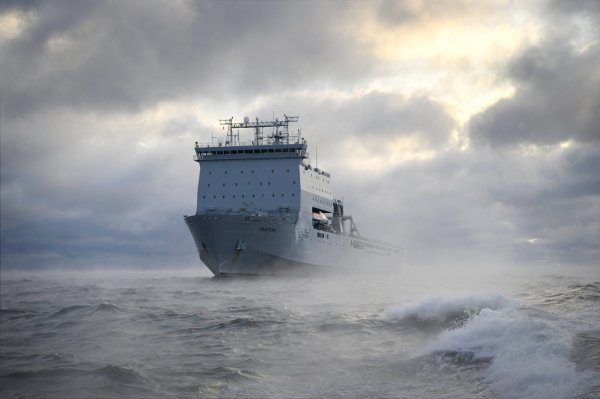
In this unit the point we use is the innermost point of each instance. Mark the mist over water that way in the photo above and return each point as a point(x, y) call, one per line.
point(468, 332)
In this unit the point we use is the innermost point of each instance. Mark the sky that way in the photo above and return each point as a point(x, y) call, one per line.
point(464, 131)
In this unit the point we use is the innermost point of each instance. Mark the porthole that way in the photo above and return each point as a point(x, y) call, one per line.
point(269, 183)
point(282, 195)
point(261, 183)
point(252, 195)
point(234, 196)
point(223, 184)
point(288, 171)
point(208, 185)
point(225, 172)
point(242, 172)
point(204, 197)
point(272, 171)
point(223, 197)
point(243, 196)
point(273, 195)
point(210, 173)
point(214, 196)
point(236, 184)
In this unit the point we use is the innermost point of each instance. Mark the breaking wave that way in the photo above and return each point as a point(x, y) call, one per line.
point(445, 313)
point(519, 354)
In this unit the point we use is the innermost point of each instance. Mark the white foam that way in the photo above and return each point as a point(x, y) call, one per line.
point(530, 356)
point(439, 309)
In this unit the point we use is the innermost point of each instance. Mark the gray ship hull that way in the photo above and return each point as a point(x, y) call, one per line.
point(237, 244)
point(272, 244)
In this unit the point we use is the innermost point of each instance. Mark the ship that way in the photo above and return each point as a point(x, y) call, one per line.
point(262, 209)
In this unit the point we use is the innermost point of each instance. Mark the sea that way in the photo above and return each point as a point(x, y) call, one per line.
point(409, 332)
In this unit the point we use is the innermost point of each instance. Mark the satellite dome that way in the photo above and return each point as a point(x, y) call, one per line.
point(246, 119)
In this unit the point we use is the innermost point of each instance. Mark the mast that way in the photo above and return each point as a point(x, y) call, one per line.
point(280, 135)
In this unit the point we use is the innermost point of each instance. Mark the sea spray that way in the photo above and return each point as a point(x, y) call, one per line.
point(524, 355)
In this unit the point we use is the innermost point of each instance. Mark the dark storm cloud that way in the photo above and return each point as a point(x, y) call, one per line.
point(557, 94)
point(128, 55)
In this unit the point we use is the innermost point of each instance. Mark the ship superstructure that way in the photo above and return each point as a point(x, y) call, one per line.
point(263, 209)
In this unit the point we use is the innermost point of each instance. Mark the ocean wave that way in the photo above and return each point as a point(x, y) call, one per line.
point(524, 356)
point(53, 372)
point(443, 313)
point(235, 375)
point(86, 309)
point(585, 292)
point(586, 350)
point(107, 307)
point(128, 375)
point(16, 314)
point(576, 293)
point(339, 328)
point(69, 309)
point(237, 323)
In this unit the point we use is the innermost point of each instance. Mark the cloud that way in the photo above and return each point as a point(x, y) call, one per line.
point(130, 55)
point(557, 95)
point(101, 104)
point(484, 206)
point(96, 188)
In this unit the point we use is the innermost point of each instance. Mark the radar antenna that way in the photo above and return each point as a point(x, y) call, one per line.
point(281, 134)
